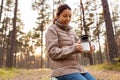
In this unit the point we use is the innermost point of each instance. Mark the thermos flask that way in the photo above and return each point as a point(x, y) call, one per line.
point(85, 43)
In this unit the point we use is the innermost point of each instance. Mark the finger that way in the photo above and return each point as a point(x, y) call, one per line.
point(78, 42)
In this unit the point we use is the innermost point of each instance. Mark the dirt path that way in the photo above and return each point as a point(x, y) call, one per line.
point(44, 74)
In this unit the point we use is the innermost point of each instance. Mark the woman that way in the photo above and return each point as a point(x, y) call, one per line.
point(64, 47)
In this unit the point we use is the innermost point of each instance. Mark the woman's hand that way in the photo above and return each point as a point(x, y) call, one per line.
point(79, 47)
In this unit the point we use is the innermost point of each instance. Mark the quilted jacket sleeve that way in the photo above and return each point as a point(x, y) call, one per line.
point(54, 51)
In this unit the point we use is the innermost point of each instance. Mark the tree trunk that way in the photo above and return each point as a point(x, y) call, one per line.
point(1, 48)
point(1, 8)
point(83, 16)
point(112, 46)
point(100, 52)
point(86, 30)
point(9, 61)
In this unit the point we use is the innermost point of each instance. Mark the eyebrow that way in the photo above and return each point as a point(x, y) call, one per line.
point(67, 14)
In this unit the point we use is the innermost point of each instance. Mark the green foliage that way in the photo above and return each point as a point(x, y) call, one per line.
point(117, 60)
point(107, 66)
point(6, 73)
point(115, 66)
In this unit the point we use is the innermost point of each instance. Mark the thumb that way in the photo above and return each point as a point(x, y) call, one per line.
point(79, 41)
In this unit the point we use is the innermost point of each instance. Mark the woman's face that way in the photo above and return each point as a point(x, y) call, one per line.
point(65, 17)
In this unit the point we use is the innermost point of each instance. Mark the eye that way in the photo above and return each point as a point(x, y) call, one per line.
point(64, 16)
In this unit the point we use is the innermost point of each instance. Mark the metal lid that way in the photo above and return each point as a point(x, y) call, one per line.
point(84, 38)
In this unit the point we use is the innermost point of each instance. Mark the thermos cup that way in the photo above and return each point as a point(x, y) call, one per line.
point(85, 43)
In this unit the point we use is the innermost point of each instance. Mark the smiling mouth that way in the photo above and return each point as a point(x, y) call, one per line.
point(66, 22)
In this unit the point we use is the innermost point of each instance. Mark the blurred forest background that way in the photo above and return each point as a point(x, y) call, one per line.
point(98, 18)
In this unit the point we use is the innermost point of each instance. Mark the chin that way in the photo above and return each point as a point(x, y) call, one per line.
point(66, 24)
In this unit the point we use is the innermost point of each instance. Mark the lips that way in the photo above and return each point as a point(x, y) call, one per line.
point(66, 22)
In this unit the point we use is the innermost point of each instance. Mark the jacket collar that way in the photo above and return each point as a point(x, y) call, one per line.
point(63, 27)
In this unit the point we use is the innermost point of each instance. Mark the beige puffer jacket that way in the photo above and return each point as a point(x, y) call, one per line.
point(61, 47)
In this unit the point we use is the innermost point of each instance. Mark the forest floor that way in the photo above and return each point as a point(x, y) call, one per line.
point(44, 74)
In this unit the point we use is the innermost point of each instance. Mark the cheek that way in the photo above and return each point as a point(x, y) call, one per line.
point(61, 20)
